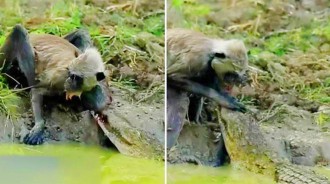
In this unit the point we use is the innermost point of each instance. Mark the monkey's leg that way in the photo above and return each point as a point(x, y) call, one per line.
point(80, 38)
point(17, 56)
point(177, 107)
point(96, 99)
point(195, 108)
point(221, 97)
point(17, 49)
point(35, 136)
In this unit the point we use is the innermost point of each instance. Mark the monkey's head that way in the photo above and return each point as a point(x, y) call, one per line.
point(84, 73)
point(230, 61)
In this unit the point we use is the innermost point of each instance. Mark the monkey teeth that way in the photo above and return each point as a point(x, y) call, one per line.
point(229, 88)
point(98, 118)
point(70, 95)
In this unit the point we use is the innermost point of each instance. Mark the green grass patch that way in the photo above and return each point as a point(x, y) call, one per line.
point(9, 101)
point(322, 119)
point(155, 25)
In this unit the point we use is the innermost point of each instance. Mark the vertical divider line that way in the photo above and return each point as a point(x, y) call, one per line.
point(165, 110)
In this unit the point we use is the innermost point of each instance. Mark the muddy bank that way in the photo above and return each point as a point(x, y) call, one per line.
point(290, 131)
point(285, 143)
point(288, 146)
point(136, 128)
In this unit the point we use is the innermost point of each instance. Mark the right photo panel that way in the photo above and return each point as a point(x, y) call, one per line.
point(248, 91)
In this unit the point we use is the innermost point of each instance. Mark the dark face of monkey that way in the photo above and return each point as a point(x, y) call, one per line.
point(230, 62)
point(84, 73)
point(75, 84)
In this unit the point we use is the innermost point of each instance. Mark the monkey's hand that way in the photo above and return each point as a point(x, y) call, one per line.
point(236, 106)
point(35, 136)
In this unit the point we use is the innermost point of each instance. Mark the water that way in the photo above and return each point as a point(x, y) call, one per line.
point(22, 164)
point(184, 174)
point(72, 164)
point(230, 174)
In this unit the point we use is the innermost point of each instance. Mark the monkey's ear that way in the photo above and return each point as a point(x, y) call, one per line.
point(100, 76)
point(82, 57)
point(220, 55)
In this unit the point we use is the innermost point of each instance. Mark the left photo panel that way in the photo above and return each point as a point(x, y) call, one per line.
point(82, 91)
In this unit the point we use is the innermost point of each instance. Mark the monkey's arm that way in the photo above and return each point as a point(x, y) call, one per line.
point(221, 97)
point(79, 38)
point(35, 137)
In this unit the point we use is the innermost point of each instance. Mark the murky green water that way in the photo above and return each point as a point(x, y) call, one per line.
point(191, 174)
point(74, 165)
point(183, 174)
point(71, 164)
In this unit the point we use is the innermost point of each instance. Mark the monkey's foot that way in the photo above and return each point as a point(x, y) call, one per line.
point(35, 137)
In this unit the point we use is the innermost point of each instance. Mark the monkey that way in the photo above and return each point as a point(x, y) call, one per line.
point(203, 67)
point(177, 107)
point(52, 65)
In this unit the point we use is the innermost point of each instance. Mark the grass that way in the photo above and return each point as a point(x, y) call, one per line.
point(9, 101)
point(112, 30)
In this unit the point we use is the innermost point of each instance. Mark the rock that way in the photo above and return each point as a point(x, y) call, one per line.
point(195, 145)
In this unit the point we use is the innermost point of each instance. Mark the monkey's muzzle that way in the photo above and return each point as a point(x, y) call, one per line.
point(70, 94)
point(228, 73)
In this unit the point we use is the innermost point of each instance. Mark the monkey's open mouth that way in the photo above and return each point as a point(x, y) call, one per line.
point(70, 94)
point(229, 88)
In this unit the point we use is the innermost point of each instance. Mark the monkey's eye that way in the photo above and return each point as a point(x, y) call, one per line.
point(100, 76)
point(220, 55)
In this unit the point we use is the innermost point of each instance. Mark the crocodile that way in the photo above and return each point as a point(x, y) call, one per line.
point(135, 129)
point(246, 144)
